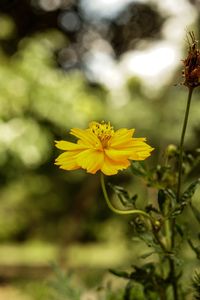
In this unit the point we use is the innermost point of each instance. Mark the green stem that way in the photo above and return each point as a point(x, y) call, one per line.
point(119, 211)
point(172, 273)
point(167, 225)
point(157, 238)
point(180, 162)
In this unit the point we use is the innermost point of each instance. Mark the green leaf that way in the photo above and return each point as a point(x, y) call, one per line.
point(123, 195)
point(62, 287)
point(186, 198)
point(179, 230)
point(151, 208)
point(150, 242)
point(118, 273)
point(138, 168)
point(133, 199)
point(196, 212)
point(133, 291)
point(189, 192)
point(196, 286)
point(139, 225)
point(196, 249)
point(170, 194)
point(146, 255)
point(166, 195)
point(177, 211)
point(161, 199)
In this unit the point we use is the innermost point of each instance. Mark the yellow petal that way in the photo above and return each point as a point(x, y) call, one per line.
point(141, 139)
point(124, 131)
point(140, 150)
point(121, 137)
point(118, 155)
point(64, 145)
point(67, 161)
point(111, 167)
point(87, 137)
point(140, 155)
point(91, 160)
point(66, 155)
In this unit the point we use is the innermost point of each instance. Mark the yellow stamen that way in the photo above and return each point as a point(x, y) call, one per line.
point(104, 131)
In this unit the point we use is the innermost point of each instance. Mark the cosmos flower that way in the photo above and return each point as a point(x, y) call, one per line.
point(100, 148)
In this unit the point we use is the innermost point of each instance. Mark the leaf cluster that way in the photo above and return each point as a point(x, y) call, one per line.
point(196, 286)
point(153, 284)
point(164, 211)
point(62, 288)
point(124, 197)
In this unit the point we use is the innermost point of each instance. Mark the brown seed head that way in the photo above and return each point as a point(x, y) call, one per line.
point(191, 71)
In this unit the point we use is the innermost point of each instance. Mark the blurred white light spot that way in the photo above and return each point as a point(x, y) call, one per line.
point(181, 13)
point(102, 68)
point(178, 7)
point(151, 62)
point(24, 139)
point(10, 131)
point(155, 66)
point(30, 155)
point(104, 8)
point(50, 5)
point(69, 21)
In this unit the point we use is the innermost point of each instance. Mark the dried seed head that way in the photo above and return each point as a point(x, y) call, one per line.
point(191, 71)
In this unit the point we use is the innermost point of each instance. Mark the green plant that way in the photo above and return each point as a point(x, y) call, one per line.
point(158, 223)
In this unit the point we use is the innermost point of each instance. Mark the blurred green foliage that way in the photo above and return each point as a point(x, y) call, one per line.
point(39, 103)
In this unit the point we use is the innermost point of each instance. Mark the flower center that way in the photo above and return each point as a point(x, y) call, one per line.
point(104, 131)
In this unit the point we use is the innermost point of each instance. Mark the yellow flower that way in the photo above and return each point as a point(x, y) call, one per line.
point(99, 147)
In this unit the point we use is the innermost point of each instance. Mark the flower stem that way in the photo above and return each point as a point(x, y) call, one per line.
point(119, 211)
point(167, 225)
point(180, 162)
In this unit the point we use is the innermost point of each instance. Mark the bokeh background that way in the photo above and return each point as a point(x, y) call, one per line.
point(64, 63)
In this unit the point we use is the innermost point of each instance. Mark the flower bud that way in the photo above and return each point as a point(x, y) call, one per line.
point(157, 225)
point(171, 150)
